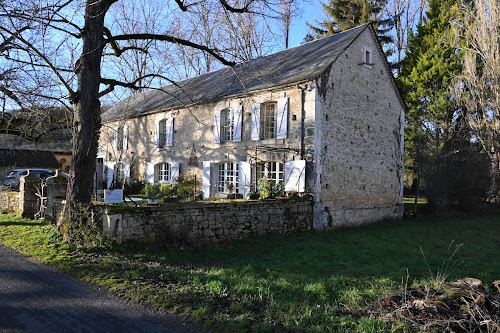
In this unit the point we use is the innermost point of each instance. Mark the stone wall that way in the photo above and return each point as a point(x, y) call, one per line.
point(359, 133)
point(204, 223)
point(9, 202)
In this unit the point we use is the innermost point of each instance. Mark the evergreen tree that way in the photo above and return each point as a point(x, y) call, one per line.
point(434, 121)
point(346, 14)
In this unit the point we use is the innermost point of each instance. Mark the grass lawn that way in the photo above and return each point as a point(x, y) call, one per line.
point(280, 282)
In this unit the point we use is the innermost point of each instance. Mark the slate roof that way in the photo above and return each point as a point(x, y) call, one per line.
point(55, 141)
point(303, 62)
point(28, 158)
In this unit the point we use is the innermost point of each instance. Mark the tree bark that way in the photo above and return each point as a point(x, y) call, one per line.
point(87, 117)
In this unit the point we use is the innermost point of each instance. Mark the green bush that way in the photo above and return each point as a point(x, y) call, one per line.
point(185, 186)
point(152, 191)
point(168, 190)
point(269, 189)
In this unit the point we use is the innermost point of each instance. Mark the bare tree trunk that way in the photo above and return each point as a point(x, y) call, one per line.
point(87, 118)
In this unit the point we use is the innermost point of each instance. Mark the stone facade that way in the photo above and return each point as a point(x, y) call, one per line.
point(205, 223)
point(360, 121)
point(343, 142)
point(9, 202)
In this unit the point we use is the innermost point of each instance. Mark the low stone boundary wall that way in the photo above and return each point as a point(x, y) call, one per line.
point(9, 202)
point(204, 223)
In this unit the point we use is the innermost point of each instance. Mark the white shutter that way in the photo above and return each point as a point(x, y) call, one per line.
point(255, 129)
point(282, 118)
point(170, 132)
point(245, 178)
point(238, 121)
point(174, 172)
point(207, 179)
point(110, 170)
point(126, 169)
point(125, 137)
point(150, 173)
point(157, 133)
point(217, 126)
point(295, 176)
point(115, 139)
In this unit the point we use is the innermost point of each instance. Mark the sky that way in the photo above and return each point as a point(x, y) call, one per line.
point(311, 11)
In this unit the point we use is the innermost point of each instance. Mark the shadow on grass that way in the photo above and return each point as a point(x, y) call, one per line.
point(14, 223)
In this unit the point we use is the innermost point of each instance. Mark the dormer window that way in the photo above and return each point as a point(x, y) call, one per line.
point(367, 57)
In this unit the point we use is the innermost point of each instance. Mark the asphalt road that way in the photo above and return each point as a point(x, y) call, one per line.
point(38, 298)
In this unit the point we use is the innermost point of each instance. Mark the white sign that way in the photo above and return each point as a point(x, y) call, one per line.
point(113, 196)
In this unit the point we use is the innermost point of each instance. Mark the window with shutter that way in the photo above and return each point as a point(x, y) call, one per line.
point(217, 124)
point(227, 177)
point(295, 176)
point(273, 171)
point(268, 121)
point(207, 179)
point(255, 129)
point(227, 125)
point(163, 173)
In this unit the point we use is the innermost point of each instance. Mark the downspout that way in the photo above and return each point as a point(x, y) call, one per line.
point(302, 121)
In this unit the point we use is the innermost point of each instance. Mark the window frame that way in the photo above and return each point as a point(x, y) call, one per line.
point(121, 175)
point(226, 173)
point(268, 120)
point(120, 137)
point(227, 126)
point(271, 170)
point(162, 133)
point(165, 172)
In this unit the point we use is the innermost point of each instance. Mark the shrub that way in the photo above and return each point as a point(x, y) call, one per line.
point(152, 191)
point(168, 190)
point(133, 187)
point(185, 186)
point(269, 189)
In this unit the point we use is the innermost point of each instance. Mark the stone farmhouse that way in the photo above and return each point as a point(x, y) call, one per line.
point(323, 118)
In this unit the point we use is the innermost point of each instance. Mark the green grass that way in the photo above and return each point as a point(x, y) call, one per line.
point(280, 282)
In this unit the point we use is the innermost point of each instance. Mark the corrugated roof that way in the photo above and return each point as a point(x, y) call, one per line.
point(306, 61)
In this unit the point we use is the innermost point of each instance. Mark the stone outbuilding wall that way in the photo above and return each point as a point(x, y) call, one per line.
point(204, 223)
point(9, 202)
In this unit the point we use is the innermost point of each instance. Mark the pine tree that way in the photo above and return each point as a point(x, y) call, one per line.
point(434, 121)
point(346, 14)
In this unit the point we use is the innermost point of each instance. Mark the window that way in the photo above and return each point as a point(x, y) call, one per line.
point(120, 172)
point(367, 57)
point(120, 137)
point(164, 172)
point(268, 121)
point(272, 171)
point(227, 177)
point(227, 125)
point(163, 133)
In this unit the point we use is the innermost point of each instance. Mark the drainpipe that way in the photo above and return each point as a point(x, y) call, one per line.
point(302, 122)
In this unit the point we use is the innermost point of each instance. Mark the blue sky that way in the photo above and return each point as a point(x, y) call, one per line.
point(311, 11)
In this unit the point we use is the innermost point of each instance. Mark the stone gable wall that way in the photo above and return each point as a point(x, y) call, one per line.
point(205, 223)
point(359, 141)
